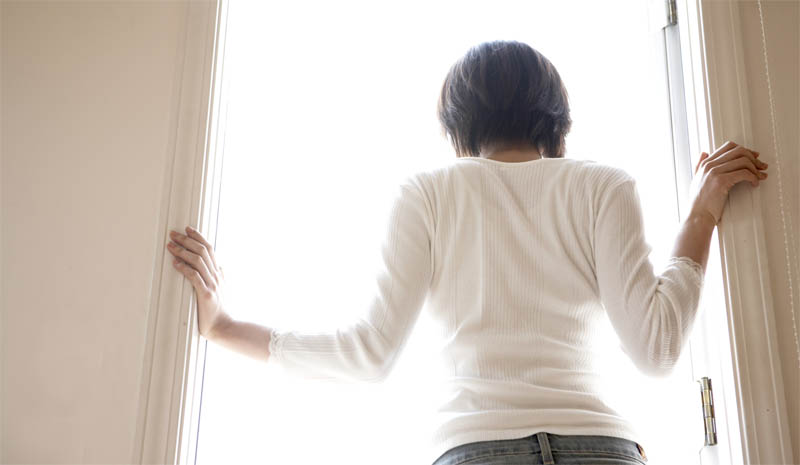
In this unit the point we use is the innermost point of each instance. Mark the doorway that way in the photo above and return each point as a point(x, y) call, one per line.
point(329, 106)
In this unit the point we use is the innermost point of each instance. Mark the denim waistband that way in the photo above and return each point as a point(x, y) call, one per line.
point(549, 445)
point(593, 445)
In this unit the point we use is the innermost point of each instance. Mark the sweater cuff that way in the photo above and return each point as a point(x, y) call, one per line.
point(695, 269)
point(275, 344)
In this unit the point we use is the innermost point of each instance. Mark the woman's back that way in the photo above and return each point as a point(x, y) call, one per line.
point(518, 249)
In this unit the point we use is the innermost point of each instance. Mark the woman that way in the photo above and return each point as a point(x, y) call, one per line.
point(519, 251)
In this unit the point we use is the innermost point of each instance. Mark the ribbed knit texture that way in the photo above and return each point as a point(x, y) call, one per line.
point(519, 263)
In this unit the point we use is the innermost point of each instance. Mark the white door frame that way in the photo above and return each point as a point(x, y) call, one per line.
point(718, 103)
point(717, 109)
point(174, 356)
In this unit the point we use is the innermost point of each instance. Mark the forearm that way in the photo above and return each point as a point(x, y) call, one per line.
point(246, 338)
point(694, 238)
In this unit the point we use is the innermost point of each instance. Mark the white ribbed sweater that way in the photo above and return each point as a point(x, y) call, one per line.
point(518, 261)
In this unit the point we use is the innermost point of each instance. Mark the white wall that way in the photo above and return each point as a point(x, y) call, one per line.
point(88, 99)
point(88, 108)
point(782, 26)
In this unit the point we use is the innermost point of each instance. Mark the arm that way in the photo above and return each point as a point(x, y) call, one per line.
point(694, 238)
point(727, 166)
point(247, 338)
point(363, 351)
point(195, 259)
point(367, 349)
point(652, 314)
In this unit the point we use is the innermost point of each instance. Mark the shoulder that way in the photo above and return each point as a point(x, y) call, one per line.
point(598, 177)
point(604, 178)
point(429, 181)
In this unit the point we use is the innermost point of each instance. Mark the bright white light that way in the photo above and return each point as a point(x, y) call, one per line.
point(331, 105)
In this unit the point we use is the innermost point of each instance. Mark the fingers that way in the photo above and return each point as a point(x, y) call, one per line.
point(196, 247)
point(736, 152)
point(733, 165)
point(743, 152)
point(723, 158)
point(195, 234)
point(703, 156)
point(728, 145)
point(735, 177)
point(195, 261)
point(193, 276)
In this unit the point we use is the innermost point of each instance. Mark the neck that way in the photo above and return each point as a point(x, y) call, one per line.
point(511, 154)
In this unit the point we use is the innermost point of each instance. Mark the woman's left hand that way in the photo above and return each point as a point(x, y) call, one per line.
point(194, 258)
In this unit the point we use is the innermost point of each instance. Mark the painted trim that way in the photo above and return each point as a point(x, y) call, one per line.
point(710, 349)
point(207, 208)
point(171, 357)
point(721, 101)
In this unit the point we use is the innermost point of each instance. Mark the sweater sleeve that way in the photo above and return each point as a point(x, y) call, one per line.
point(652, 314)
point(366, 350)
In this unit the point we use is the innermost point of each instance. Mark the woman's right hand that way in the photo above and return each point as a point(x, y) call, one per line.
point(716, 174)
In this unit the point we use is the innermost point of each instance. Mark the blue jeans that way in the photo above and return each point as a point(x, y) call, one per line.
point(547, 449)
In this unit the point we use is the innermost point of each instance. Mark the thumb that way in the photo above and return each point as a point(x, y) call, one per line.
point(703, 156)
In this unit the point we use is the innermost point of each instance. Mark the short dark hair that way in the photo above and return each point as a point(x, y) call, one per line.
point(504, 92)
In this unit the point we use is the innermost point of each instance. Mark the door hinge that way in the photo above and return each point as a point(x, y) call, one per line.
point(672, 12)
point(709, 419)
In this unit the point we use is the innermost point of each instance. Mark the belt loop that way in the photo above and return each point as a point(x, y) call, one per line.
point(544, 444)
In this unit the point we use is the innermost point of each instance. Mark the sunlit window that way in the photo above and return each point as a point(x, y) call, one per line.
point(331, 105)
